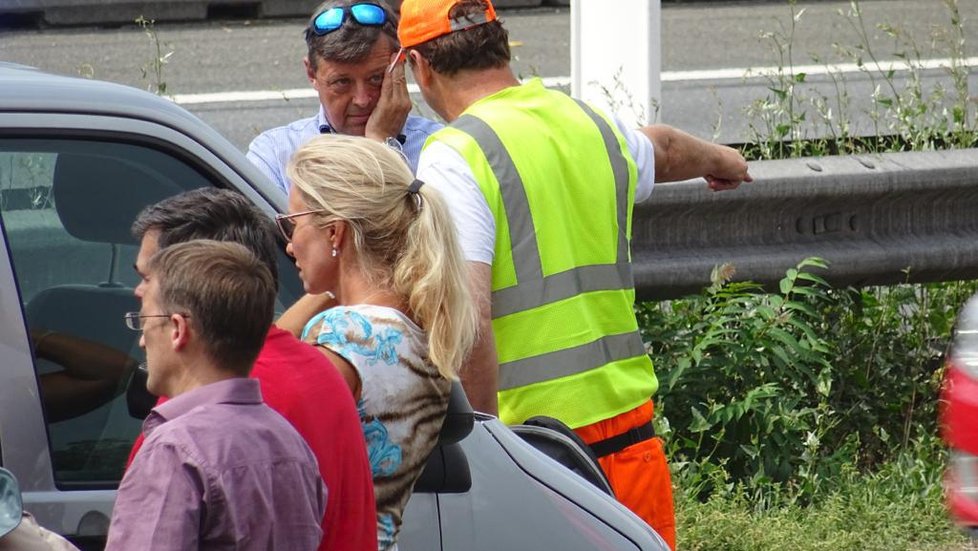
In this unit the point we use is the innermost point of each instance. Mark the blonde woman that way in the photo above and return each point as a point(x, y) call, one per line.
point(360, 227)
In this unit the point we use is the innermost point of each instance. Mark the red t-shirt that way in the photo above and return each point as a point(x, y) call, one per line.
point(303, 386)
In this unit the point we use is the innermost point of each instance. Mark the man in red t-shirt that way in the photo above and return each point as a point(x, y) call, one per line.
point(296, 380)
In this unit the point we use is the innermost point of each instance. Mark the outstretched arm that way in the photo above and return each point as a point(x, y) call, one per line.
point(680, 156)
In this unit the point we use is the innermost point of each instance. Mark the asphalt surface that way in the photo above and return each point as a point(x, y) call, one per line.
point(707, 47)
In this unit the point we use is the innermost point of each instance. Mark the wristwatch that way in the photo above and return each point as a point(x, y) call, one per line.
point(394, 143)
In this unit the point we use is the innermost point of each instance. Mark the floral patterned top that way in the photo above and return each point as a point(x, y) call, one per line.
point(403, 398)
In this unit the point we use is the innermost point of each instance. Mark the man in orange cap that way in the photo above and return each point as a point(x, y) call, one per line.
point(542, 188)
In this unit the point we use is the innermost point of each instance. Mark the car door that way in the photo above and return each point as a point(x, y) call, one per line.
point(70, 186)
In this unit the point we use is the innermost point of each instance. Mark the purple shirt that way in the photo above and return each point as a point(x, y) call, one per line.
point(219, 470)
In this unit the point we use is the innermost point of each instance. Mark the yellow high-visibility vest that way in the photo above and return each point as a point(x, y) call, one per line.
point(560, 183)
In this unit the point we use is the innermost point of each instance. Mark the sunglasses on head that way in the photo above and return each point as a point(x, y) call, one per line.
point(366, 14)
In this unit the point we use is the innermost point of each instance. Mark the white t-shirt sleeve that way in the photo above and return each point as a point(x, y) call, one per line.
point(640, 147)
point(442, 168)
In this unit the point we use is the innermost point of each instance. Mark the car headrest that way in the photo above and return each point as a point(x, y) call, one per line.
point(97, 197)
point(458, 419)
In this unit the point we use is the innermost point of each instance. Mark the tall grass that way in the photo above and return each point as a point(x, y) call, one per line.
point(896, 507)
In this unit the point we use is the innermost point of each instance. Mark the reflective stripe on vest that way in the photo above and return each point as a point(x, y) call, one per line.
point(569, 361)
point(533, 290)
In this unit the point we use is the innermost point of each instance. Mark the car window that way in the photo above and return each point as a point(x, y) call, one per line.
point(67, 207)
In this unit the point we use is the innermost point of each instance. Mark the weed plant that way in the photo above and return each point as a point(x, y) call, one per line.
point(154, 68)
point(796, 120)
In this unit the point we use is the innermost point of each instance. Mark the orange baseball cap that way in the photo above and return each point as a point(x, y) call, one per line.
point(423, 20)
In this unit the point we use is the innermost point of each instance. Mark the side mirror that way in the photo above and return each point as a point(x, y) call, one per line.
point(11, 505)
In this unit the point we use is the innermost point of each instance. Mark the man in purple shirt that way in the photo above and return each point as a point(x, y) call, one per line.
point(219, 469)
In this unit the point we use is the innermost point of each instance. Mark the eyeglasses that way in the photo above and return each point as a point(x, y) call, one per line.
point(366, 14)
point(134, 320)
point(287, 226)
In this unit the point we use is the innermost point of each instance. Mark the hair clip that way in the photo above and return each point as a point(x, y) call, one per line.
point(413, 190)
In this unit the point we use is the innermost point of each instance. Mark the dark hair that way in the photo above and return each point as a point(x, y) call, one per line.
point(352, 42)
point(483, 46)
point(227, 292)
point(211, 213)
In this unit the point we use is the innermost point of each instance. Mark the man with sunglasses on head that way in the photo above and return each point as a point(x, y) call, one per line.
point(353, 65)
point(542, 189)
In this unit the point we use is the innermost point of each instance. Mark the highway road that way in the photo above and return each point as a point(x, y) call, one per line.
point(243, 76)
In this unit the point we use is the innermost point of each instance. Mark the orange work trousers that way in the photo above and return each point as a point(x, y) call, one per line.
point(639, 474)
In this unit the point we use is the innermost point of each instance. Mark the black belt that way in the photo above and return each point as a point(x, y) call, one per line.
point(615, 444)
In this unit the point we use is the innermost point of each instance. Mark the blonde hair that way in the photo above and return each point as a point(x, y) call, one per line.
point(404, 241)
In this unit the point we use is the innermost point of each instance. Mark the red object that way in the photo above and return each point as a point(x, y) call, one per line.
point(960, 415)
point(639, 474)
point(304, 387)
point(959, 424)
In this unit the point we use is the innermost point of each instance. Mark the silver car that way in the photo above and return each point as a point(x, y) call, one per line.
point(78, 160)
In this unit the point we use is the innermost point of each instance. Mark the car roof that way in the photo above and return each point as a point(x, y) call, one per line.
point(29, 90)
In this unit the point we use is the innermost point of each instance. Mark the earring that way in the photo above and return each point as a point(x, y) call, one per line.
point(335, 253)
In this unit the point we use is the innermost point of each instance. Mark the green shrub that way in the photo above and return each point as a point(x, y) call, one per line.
point(780, 392)
point(744, 375)
point(891, 343)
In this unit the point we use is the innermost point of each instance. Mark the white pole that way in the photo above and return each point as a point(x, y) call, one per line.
point(615, 57)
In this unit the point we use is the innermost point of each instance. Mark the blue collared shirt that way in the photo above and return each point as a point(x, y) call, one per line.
point(272, 149)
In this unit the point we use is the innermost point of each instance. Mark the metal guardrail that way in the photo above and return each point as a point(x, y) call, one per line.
point(878, 219)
